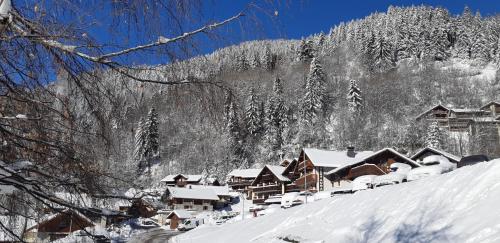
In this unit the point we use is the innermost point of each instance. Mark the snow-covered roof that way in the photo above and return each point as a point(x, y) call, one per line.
point(411, 161)
point(278, 171)
point(273, 200)
point(371, 155)
point(245, 173)
point(189, 178)
point(490, 103)
point(466, 110)
point(329, 158)
point(430, 109)
point(194, 193)
point(441, 152)
point(219, 190)
point(182, 214)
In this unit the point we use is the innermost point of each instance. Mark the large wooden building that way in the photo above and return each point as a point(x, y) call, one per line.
point(196, 199)
point(241, 179)
point(271, 182)
point(377, 163)
point(463, 119)
point(309, 170)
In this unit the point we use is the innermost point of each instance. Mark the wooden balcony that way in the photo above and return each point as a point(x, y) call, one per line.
point(292, 188)
point(310, 166)
point(258, 201)
point(267, 189)
point(310, 178)
point(241, 183)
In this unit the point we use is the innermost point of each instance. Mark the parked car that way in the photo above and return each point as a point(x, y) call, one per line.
point(363, 182)
point(432, 165)
point(189, 224)
point(398, 174)
point(290, 199)
point(472, 159)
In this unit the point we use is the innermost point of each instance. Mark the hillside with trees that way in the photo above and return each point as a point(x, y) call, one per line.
point(361, 84)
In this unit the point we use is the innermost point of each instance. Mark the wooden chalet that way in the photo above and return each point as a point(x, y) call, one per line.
point(195, 199)
point(240, 180)
point(377, 163)
point(271, 182)
point(308, 172)
point(428, 151)
point(141, 208)
point(177, 216)
point(463, 119)
point(57, 226)
point(180, 180)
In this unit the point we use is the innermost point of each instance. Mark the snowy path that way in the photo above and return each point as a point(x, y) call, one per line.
point(460, 206)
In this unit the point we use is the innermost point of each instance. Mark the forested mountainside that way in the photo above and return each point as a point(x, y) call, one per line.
point(361, 84)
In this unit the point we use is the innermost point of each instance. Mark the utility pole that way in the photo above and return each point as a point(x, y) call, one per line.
point(305, 178)
point(243, 207)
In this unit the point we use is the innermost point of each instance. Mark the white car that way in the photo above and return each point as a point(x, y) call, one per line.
point(363, 182)
point(290, 199)
point(432, 165)
point(398, 174)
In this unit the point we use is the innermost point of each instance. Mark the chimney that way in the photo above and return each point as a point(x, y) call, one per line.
point(350, 152)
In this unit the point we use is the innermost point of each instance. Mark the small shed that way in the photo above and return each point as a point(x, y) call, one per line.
point(178, 216)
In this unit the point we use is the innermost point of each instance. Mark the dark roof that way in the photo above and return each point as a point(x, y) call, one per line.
point(490, 103)
point(430, 109)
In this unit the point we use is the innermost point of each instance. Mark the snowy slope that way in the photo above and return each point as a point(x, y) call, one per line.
point(460, 206)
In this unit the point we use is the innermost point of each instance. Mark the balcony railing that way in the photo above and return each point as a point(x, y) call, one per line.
point(310, 178)
point(267, 188)
point(292, 188)
point(239, 183)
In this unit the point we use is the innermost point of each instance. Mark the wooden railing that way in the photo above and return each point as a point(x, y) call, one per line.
point(310, 178)
point(268, 188)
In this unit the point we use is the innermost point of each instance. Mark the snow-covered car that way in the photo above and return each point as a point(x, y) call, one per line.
point(472, 159)
point(269, 210)
point(432, 165)
point(290, 199)
point(189, 224)
point(398, 174)
point(363, 182)
point(147, 223)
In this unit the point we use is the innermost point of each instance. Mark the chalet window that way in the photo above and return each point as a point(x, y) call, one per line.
point(187, 206)
point(205, 207)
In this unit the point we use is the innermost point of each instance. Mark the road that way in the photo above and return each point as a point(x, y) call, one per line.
point(154, 235)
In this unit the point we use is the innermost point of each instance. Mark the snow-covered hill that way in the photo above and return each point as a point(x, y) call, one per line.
point(461, 206)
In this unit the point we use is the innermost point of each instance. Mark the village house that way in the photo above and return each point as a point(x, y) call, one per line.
point(57, 226)
point(180, 180)
point(271, 182)
point(221, 191)
point(177, 216)
point(312, 164)
point(377, 163)
point(240, 180)
point(428, 151)
point(193, 199)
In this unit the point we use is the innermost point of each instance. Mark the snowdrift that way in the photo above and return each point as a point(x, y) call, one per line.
point(460, 206)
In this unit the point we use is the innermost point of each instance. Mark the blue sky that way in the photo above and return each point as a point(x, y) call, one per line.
point(295, 19)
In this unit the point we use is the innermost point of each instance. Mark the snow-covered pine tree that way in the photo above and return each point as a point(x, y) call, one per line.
point(314, 100)
point(268, 59)
point(306, 50)
point(275, 119)
point(354, 97)
point(140, 144)
point(379, 53)
point(152, 140)
point(434, 136)
point(252, 116)
point(227, 104)
point(242, 62)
